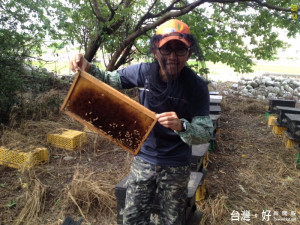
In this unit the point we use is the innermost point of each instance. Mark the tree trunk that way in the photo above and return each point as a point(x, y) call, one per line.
point(93, 48)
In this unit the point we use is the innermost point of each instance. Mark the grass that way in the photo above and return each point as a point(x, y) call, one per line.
point(288, 69)
point(272, 67)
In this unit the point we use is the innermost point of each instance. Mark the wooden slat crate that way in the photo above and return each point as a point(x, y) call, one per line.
point(19, 159)
point(108, 112)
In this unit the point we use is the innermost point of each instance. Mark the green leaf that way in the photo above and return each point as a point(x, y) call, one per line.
point(11, 204)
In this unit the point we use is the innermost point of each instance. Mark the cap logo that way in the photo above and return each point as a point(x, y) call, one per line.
point(169, 30)
point(179, 27)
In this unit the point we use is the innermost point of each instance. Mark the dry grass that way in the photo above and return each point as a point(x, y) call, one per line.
point(91, 190)
point(214, 210)
point(34, 199)
point(32, 134)
point(251, 170)
point(80, 187)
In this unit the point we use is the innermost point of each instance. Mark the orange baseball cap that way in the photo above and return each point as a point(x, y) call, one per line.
point(173, 29)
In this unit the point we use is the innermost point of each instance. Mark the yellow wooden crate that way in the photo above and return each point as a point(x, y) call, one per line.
point(271, 120)
point(288, 141)
point(206, 160)
point(67, 139)
point(278, 130)
point(218, 132)
point(19, 159)
point(200, 192)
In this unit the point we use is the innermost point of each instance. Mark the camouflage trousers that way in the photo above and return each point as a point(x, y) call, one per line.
point(168, 184)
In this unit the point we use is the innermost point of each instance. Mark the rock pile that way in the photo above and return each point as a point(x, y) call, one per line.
point(267, 87)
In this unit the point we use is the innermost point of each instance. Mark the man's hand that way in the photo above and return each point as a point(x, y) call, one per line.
point(170, 120)
point(79, 62)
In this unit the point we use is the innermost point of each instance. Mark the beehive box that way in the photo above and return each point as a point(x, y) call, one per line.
point(199, 153)
point(67, 139)
point(293, 125)
point(282, 111)
point(216, 120)
point(274, 103)
point(19, 159)
point(214, 109)
point(215, 99)
point(108, 112)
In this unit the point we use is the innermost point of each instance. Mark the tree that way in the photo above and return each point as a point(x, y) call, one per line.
point(221, 26)
point(23, 27)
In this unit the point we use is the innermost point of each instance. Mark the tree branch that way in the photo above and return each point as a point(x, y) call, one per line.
point(112, 12)
point(277, 8)
point(169, 8)
point(96, 11)
point(259, 2)
point(142, 30)
point(123, 57)
point(113, 27)
point(167, 13)
point(147, 15)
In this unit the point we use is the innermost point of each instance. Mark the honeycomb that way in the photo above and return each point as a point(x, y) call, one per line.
point(110, 112)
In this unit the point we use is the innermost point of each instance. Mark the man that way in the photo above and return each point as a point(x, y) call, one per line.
point(181, 100)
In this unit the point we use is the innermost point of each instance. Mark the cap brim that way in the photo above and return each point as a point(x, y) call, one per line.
point(171, 38)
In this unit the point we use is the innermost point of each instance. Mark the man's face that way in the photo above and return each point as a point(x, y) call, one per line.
point(172, 57)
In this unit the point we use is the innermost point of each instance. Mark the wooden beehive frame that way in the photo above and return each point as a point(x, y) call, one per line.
point(84, 81)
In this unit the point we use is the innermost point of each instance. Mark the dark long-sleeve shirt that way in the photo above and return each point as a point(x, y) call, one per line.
point(188, 97)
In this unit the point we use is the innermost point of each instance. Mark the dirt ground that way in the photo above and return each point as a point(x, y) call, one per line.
point(252, 177)
point(252, 172)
